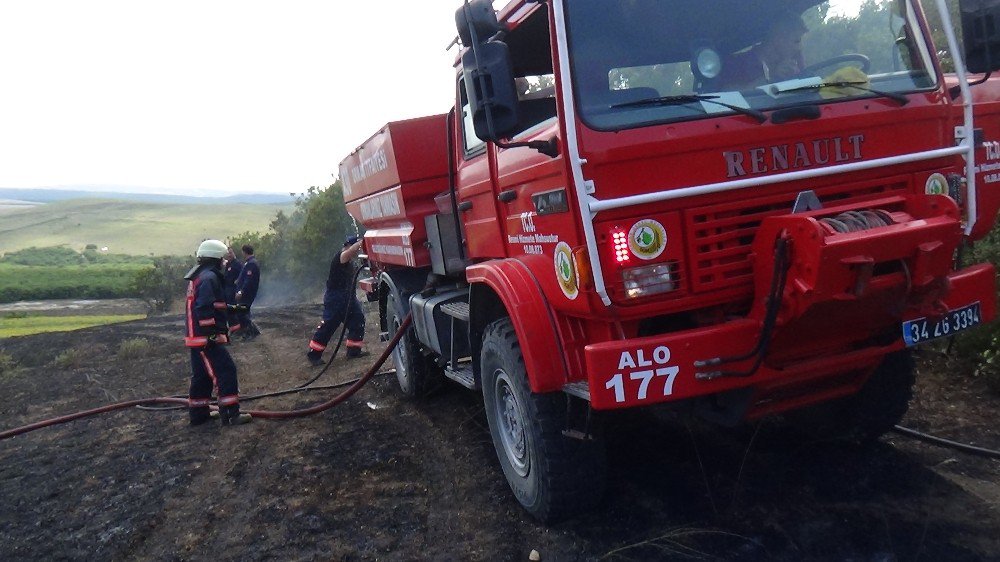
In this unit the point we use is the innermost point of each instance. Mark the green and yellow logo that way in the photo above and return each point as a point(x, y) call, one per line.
point(647, 239)
point(936, 185)
point(565, 272)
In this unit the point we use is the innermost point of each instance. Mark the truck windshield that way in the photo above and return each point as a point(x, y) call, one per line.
point(691, 55)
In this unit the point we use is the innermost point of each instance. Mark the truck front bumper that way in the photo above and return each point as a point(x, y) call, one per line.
point(664, 368)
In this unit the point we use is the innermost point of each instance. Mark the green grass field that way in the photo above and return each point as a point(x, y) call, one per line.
point(96, 281)
point(129, 227)
point(40, 324)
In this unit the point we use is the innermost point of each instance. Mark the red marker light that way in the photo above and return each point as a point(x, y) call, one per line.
point(620, 240)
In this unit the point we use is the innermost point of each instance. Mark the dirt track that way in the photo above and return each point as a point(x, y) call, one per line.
point(381, 478)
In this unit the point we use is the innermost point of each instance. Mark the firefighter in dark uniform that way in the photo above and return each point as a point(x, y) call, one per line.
point(246, 292)
point(340, 300)
point(231, 268)
point(211, 365)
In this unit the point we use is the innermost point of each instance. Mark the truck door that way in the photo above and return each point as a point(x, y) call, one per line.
point(528, 181)
point(477, 200)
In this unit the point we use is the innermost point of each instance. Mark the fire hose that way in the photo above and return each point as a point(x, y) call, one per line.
point(343, 331)
point(304, 386)
point(263, 414)
point(274, 414)
point(942, 442)
point(360, 382)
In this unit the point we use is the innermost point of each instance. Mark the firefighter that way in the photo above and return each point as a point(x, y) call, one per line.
point(246, 292)
point(777, 57)
point(211, 365)
point(231, 267)
point(340, 300)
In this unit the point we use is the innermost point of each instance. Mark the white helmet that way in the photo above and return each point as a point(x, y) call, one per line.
point(212, 249)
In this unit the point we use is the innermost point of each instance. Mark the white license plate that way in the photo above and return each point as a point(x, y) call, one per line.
point(952, 322)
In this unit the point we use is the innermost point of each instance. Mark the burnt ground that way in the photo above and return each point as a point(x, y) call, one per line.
point(381, 478)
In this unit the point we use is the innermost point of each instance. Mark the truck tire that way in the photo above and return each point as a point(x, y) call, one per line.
point(417, 374)
point(873, 411)
point(552, 476)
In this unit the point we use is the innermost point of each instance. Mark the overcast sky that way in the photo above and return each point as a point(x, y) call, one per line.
point(210, 95)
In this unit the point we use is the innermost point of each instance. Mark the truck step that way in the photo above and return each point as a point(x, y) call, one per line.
point(463, 376)
point(578, 389)
point(459, 310)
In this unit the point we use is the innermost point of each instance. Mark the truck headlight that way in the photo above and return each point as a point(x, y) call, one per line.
point(650, 279)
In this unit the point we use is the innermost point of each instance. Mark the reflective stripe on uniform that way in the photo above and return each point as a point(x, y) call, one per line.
point(199, 402)
point(354, 343)
point(230, 400)
point(189, 305)
point(207, 322)
point(219, 305)
point(208, 367)
point(197, 341)
point(316, 346)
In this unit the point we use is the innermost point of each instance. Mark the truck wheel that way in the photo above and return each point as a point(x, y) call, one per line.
point(552, 476)
point(873, 411)
point(416, 373)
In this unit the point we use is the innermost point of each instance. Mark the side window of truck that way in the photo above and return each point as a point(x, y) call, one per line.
point(537, 100)
point(471, 144)
point(531, 56)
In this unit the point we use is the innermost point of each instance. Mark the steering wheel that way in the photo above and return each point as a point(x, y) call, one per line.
point(864, 62)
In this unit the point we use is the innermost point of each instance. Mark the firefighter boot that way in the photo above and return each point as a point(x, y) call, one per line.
point(250, 332)
point(355, 352)
point(199, 415)
point(231, 415)
point(315, 358)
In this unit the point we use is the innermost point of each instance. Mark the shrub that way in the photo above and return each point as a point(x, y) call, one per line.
point(56, 255)
point(133, 348)
point(61, 256)
point(988, 366)
point(161, 284)
point(71, 358)
point(980, 345)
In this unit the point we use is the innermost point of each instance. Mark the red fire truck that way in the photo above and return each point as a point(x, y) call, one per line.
point(737, 212)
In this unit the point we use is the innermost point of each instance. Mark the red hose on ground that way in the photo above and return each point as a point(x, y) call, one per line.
point(278, 415)
point(264, 414)
point(94, 412)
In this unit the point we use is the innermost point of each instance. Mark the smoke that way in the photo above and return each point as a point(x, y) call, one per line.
point(278, 289)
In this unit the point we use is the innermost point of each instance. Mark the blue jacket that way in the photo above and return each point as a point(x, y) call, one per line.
point(206, 309)
point(248, 280)
point(232, 274)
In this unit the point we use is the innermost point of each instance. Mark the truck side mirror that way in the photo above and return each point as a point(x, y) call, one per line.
point(476, 18)
point(981, 34)
point(489, 83)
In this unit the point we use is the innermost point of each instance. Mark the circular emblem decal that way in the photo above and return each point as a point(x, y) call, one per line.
point(647, 239)
point(565, 272)
point(936, 185)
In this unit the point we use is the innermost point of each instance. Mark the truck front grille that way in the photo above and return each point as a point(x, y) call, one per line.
point(719, 245)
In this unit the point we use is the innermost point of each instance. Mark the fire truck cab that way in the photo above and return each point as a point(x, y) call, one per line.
point(745, 211)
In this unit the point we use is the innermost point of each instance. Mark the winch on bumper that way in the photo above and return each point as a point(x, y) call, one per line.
point(855, 283)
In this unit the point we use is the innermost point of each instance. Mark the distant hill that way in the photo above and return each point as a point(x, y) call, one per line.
point(131, 226)
point(52, 195)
